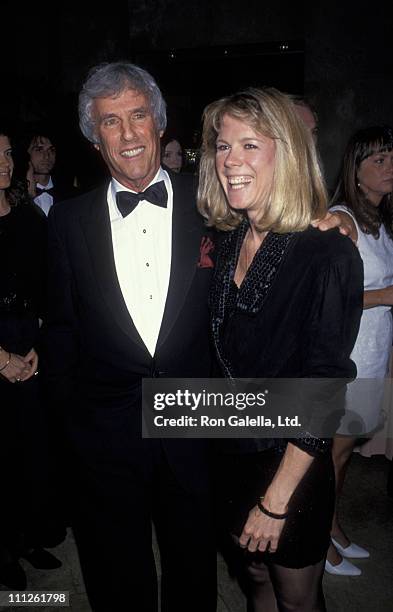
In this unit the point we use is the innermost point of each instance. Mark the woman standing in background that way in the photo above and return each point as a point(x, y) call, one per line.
point(364, 200)
point(23, 448)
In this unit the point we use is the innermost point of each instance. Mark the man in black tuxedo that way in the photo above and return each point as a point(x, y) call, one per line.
point(45, 186)
point(127, 293)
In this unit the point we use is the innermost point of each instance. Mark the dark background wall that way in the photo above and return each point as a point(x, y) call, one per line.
point(163, 24)
point(349, 67)
point(339, 54)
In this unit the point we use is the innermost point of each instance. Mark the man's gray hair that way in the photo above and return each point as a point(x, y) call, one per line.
point(111, 79)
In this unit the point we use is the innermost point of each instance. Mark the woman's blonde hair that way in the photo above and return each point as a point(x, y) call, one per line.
point(297, 194)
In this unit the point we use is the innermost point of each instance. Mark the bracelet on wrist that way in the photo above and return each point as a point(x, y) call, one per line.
point(271, 514)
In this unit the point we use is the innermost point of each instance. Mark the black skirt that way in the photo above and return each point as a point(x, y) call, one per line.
point(243, 478)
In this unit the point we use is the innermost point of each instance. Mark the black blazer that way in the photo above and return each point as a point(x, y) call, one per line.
point(296, 314)
point(96, 359)
point(63, 189)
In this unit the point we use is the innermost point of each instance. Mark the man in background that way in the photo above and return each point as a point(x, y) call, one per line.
point(307, 114)
point(45, 188)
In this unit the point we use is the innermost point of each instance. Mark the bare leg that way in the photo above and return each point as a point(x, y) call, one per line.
point(342, 452)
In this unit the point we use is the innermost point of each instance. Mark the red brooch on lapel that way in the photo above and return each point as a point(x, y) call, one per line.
point(207, 246)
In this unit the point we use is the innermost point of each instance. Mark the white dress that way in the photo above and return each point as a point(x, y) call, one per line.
point(373, 346)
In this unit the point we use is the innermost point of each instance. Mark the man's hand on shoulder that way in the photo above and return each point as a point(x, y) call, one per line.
point(332, 220)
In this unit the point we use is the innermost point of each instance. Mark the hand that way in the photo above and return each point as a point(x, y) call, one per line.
point(21, 368)
point(333, 220)
point(261, 532)
point(378, 297)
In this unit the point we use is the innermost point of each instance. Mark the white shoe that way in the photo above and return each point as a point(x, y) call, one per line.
point(352, 551)
point(345, 568)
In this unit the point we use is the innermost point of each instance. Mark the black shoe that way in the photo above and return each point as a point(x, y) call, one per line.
point(41, 559)
point(13, 576)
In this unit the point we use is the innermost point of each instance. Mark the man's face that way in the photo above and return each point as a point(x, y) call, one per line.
point(42, 155)
point(307, 116)
point(128, 138)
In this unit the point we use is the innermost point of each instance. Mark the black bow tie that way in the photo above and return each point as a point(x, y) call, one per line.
point(156, 194)
point(40, 191)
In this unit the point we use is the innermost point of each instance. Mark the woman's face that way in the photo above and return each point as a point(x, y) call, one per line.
point(6, 162)
point(375, 176)
point(173, 156)
point(245, 163)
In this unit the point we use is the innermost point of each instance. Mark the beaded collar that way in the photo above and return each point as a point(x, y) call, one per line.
point(256, 284)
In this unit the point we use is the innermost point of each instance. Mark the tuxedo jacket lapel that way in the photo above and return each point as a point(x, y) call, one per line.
point(97, 230)
point(186, 237)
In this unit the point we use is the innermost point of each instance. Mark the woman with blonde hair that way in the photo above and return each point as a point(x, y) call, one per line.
point(286, 303)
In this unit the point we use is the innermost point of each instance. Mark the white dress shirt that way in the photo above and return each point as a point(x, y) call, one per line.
point(142, 247)
point(45, 200)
